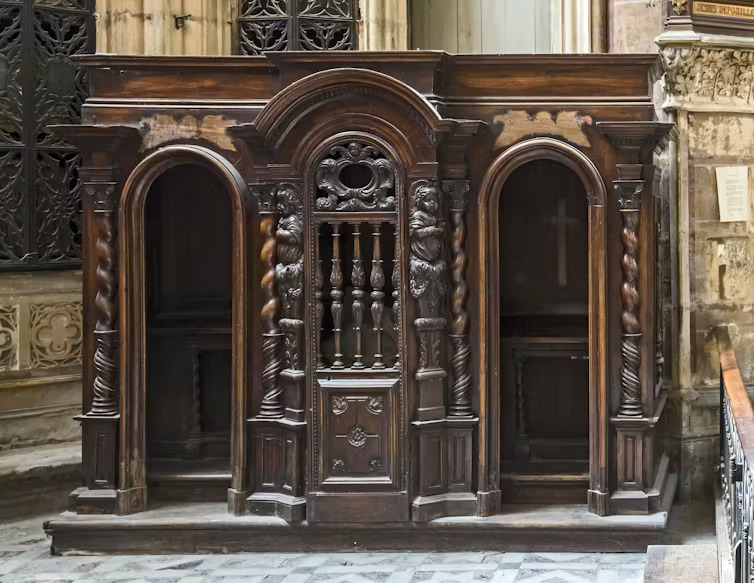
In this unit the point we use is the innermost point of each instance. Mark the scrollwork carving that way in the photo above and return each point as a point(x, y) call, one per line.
point(339, 405)
point(375, 405)
point(377, 192)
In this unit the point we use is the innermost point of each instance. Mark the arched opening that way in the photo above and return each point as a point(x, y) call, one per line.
point(188, 252)
point(585, 181)
point(183, 272)
point(544, 325)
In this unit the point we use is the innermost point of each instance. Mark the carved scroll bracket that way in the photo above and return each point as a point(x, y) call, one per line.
point(457, 192)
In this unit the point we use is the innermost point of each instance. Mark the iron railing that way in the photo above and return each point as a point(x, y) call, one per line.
point(736, 460)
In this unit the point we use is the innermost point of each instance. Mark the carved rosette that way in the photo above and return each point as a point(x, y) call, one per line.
point(375, 194)
point(290, 268)
point(629, 199)
point(104, 199)
point(428, 271)
point(460, 394)
point(272, 406)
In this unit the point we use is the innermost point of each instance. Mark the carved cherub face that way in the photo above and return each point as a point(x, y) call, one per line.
point(287, 200)
point(427, 199)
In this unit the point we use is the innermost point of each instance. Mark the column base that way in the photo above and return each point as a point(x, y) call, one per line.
point(85, 501)
point(278, 476)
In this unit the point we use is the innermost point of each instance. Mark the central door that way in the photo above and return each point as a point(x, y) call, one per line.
point(544, 323)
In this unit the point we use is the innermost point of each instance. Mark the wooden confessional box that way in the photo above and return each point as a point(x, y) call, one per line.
point(371, 297)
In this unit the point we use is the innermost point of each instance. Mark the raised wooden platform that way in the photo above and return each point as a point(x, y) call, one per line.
point(208, 528)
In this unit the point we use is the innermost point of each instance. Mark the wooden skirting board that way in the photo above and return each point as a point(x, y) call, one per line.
point(208, 528)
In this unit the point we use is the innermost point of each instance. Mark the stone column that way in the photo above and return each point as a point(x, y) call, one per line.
point(709, 92)
point(384, 25)
point(162, 27)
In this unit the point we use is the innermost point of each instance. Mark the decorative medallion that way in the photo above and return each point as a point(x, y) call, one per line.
point(339, 405)
point(337, 464)
point(357, 436)
point(375, 405)
point(680, 6)
point(56, 334)
point(376, 465)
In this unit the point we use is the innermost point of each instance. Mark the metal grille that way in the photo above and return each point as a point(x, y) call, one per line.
point(293, 25)
point(40, 85)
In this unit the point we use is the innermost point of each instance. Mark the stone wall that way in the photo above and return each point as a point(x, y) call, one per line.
point(709, 83)
point(40, 357)
point(635, 24)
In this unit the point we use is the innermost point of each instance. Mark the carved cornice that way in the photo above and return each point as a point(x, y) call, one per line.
point(701, 74)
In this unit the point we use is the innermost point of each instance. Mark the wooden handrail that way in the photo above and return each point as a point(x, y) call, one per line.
point(743, 412)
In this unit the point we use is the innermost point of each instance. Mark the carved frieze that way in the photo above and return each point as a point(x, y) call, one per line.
point(56, 334)
point(699, 74)
point(8, 338)
point(370, 187)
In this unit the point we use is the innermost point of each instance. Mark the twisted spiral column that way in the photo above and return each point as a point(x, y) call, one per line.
point(460, 394)
point(272, 406)
point(105, 399)
point(630, 401)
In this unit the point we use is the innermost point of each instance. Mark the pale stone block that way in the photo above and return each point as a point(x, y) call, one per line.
point(635, 26)
point(723, 136)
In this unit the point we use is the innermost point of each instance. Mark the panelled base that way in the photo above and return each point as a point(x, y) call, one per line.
point(208, 528)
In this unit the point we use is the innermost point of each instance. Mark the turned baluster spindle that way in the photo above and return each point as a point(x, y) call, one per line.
point(319, 281)
point(358, 294)
point(396, 281)
point(377, 281)
point(336, 294)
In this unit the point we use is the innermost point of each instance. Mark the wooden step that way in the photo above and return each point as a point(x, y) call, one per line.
point(681, 564)
point(189, 480)
point(545, 488)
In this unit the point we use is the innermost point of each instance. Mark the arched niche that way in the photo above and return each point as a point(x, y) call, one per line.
point(195, 183)
point(490, 366)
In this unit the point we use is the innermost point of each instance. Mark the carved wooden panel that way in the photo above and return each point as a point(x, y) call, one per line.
point(359, 443)
point(40, 86)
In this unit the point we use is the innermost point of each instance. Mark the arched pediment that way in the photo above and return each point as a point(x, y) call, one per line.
point(328, 97)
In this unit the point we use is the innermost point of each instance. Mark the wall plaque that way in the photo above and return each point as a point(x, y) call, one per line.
point(725, 10)
point(733, 193)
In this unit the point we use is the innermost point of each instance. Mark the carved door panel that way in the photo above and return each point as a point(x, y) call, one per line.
point(357, 393)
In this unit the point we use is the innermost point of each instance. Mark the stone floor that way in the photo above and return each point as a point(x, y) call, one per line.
point(25, 558)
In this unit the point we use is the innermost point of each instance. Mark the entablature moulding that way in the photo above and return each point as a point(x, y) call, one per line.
point(366, 295)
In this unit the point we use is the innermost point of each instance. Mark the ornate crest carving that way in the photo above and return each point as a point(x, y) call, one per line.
point(375, 405)
point(8, 338)
point(357, 436)
point(339, 405)
point(370, 186)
